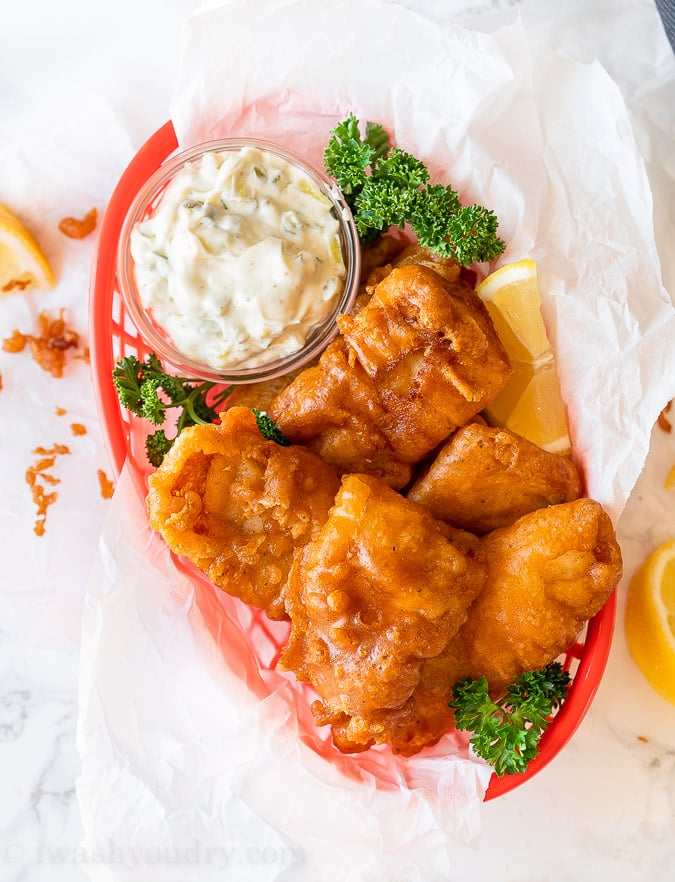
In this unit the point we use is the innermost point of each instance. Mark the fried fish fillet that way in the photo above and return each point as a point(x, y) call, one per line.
point(419, 360)
point(548, 573)
point(239, 506)
point(430, 348)
point(395, 254)
point(484, 478)
point(382, 587)
point(334, 409)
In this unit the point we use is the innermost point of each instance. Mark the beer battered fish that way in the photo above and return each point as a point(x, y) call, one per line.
point(484, 478)
point(404, 255)
point(239, 506)
point(381, 588)
point(419, 360)
point(430, 348)
point(548, 573)
point(334, 409)
point(444, 266)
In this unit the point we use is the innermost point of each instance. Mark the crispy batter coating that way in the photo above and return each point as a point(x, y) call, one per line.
point(381, 588)
point(430, 347)
point(419, 360)
point(429, 718)
point(334, 410)
point(547, 574)
point(239, 506)
point(484, 478)
point(390, 255)
point(417, 254)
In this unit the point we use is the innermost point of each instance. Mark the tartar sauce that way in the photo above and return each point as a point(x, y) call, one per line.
point(240, 259)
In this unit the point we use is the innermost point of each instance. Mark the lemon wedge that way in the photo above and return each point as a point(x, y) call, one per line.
point(530, 403)
point(650, 619)
point(22, 263)
point(669, 483)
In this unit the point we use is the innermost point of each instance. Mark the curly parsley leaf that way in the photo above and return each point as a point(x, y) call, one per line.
point(146, 390)
point(380, 206)
point(347, 157)
point(401, 168)
point(125, 377)
point(157, 445)
point(376, 138)
point(473, 232)
point(385, 187)
point(269, 429)
point(507, 732)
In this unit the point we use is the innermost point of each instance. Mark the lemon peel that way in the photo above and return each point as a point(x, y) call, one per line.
point(650, 619)
point(22, 263)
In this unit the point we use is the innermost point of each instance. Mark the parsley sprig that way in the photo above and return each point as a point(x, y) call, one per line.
point(145, 389)
point(507, 732)
point(385, 187)
point(269, 429)
point(139, 384)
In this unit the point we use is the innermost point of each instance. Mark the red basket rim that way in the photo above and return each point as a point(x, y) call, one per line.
point(103, 273)
point(591, 655)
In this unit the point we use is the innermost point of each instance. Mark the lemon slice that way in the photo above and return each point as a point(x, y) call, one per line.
point(650, 619)
point(22, 263)
point(530, 403)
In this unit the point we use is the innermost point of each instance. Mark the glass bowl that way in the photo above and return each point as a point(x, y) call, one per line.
point(259, 366)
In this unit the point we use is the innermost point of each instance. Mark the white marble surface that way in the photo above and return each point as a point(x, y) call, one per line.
point(603, 810)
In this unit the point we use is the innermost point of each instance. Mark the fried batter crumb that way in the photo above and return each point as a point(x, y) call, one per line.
point(662, 422)
point(78, 429)
point(39, 478)
point(106, 485)
point(49, 346)
point(15, 343)
point(79, 229)
point(60, 411)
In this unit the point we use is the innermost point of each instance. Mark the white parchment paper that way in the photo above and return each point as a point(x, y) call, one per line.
point(63, 162)
point(205, 769)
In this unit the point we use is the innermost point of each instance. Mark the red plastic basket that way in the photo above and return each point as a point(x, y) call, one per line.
point(113, 336)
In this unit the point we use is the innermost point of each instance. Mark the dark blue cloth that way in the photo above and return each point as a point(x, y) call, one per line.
point(667, 10)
